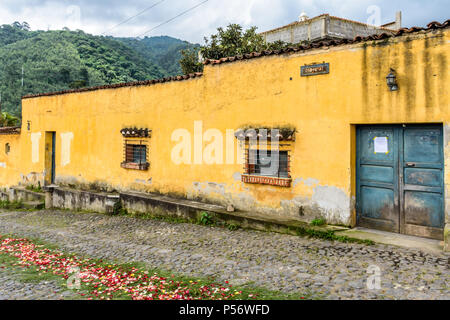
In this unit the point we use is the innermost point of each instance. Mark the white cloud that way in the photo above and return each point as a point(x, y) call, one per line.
point(98, 16)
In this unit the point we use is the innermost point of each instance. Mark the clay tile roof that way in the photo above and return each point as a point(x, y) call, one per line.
point(9, 130)
point(118, 85)
point(329, 43)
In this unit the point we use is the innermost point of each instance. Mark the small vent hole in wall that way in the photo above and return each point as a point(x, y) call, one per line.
point(7, 148)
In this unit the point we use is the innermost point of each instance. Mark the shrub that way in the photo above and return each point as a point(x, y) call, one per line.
point(206, 219)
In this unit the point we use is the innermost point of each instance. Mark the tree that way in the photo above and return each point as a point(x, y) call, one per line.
point(17, 24)
point(25, 26)
point(8, 120)
point(227, 42)
point(190, 62)
point(65, 74)
point(84, 74)
point(77, 84)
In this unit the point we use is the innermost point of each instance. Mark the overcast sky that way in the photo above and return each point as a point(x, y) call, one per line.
point(99, 16)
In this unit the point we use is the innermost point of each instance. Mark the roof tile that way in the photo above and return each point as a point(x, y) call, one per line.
point(118, 85)
point(9, 130)
point(329, 43)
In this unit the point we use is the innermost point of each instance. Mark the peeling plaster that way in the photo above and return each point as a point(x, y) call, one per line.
point(83, 184)
point(66, 141)
point(327, 202)
point(142, 181)
point(35, 138)
point(32, 178)
point(2, 164)
point(330, 203)
point(209, 187)
point(237, 176)
point(310, 182)
point(334, 204)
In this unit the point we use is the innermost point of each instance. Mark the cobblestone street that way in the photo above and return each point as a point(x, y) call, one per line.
point(329, 270)
point(12, 288)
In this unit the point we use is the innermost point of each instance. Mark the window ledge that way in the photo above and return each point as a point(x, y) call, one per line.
point(135, 166)
point(273, 181)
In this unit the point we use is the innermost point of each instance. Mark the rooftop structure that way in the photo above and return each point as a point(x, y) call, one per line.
point(327, 27)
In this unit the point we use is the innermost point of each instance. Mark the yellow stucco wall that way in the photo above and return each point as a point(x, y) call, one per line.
point(323, 108)
point(9, 171)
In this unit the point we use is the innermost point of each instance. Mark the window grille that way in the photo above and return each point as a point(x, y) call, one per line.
point(268, 163)
point(260, 168)
point(135, 155)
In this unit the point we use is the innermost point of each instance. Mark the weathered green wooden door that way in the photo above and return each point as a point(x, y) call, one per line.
point(400, 185)
point(378, 184)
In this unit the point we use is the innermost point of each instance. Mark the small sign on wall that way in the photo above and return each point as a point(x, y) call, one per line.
point(315, 69)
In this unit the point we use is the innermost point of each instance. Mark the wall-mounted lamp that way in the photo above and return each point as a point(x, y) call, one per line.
point(391, 80)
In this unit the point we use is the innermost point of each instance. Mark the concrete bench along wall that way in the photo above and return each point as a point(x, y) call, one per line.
point(180, 122)
point(21, 194)
point(82, 200)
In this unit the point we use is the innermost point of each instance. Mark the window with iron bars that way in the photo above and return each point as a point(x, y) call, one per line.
point(135, 155)
point(267, 167)
point(267, 163)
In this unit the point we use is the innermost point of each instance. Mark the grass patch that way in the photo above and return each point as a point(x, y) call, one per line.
point(34, 188)
point(330, 235)
point(158, 217)
point(205, 218)
point(118, 209)
point(14, 205)
point(29, 274)
point(318, 222)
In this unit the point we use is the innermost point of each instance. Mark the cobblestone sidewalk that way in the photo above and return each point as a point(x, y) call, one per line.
point(330, 270)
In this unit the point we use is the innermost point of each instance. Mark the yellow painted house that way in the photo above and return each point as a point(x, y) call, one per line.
point(353, 148)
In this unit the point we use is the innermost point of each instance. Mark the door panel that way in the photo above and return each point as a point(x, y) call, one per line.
point(377, 173)
point(422, 145)
point(423, 167)
point(378, 203)
point(377, 180)
point(423, 209)
point(368, 154)
point(401, 190)
point(423, 177)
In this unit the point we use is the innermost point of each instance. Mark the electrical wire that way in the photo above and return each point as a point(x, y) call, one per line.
point(136, 15)
point(171, 19)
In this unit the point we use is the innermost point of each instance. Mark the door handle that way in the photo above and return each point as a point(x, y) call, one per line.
point(410, 164)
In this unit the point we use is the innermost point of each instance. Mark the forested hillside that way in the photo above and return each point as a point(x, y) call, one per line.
point(163, 51)
point(59, 60)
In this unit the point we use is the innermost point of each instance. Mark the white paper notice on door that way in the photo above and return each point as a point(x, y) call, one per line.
point(381, 145)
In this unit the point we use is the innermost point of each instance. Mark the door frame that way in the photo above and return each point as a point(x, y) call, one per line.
point(50, 157)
